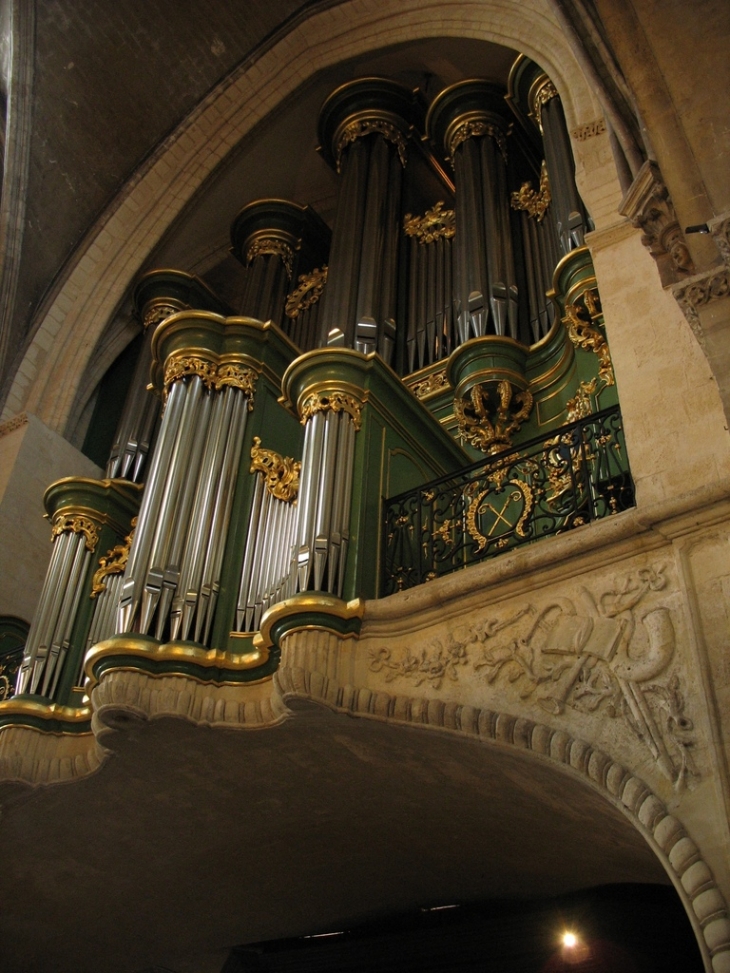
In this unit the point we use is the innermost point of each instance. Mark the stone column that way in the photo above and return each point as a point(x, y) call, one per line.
point(363, 131)
point(469, 121)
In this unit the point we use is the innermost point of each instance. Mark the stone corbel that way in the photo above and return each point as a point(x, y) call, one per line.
point(649, 207)
point(720, 232)
point(699, 290)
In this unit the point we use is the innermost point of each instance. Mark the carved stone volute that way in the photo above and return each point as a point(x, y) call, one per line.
point(649, 207)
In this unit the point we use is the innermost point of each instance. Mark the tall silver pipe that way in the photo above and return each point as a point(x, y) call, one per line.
point(181, 470)
point(149, 509)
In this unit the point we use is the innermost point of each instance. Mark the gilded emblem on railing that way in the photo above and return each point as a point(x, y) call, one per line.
point(361, 127)
point(435, 224)
point(113, 562)
point(214, 375)
point(281, 473)
point(332, 401)
point(584, 334)
point(486, 520)
point(476, 129)
point(489, 417)
point(264, 246)
point(308, 291)
point(534, 202)
point(77, 524)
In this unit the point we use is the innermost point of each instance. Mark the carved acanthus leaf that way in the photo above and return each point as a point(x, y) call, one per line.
point(280, 473)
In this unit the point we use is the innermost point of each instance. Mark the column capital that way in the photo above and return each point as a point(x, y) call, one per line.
point(367, 106)
point(468, 109)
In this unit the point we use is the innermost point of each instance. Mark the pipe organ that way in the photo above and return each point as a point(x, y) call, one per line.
point(263, 437)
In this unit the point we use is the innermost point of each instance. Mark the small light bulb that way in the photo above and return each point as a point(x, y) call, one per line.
point(570, 940)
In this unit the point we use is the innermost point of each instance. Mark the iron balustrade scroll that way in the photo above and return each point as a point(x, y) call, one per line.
point(573, 475)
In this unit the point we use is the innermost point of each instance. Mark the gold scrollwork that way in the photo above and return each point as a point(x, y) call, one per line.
point(361, 127)
point(535, 203)
point(281, 473)
point(214, 375)
point(183, 365)
point(77, 524)
point(488, 425)
point(584, 335)
point(475, 128)
point(113, 562)
point(432, 383)
point(522, 492)
point(308, 291)
point(332, 401)
point(157, 313)
point(581, 406)
point(276, 248)
point(435, 224)
point(542, 96)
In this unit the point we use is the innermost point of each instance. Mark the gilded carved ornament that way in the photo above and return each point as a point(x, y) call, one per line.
point(280, 473)
point(307, 293)
point(534, 202)
point(274, 247)
point(585, 334)
point(475, 128)
point(332, 401)
point(157, 313)
point(113, 562)
point(437, 223)
point(581, 405)
point(77, 524)
point(489, 417)
point(545, 93)
point(595, 654)
point(360, 127)
point(434, 382)
point(214, 375)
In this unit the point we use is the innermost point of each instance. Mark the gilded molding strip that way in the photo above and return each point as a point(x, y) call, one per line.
point(113, 562)
point(276, 248)
point(307, 293)
point(361, 127)
point(475, 129)
point(587, 337)
point(313, 605)
point(78, 524)
point(214, 375)
point(280, 473)
point(435, 224)
point(534, 202)
point(139, 647)
point(332, 400)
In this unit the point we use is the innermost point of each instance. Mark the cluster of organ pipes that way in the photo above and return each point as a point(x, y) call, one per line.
point(50, 633)
point(172, 577)
point(322, 529)
point(266, 575)
point(483, 269)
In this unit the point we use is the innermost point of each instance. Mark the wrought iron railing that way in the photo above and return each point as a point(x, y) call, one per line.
point(573, 475)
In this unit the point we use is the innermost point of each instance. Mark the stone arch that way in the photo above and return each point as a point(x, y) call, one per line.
point(71, 321)
point(682, 860)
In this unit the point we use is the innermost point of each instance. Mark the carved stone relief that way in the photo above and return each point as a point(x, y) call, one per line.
point(649, 207)
point(606, 655)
